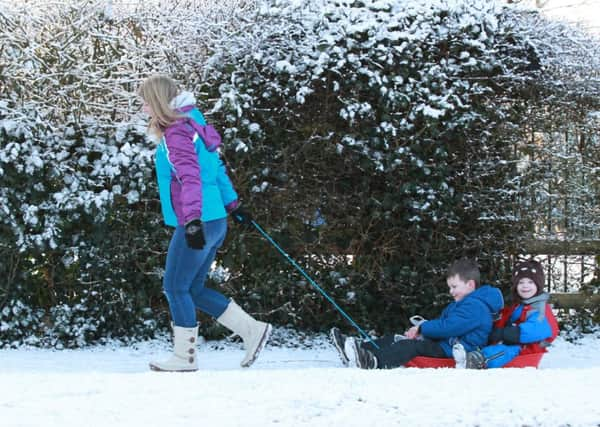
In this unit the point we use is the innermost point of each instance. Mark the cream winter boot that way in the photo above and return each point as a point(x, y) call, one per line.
point(184, 352)
point(253, 332)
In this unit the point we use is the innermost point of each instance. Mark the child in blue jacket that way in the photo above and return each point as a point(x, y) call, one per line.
point(528, 326)
point(468, 320)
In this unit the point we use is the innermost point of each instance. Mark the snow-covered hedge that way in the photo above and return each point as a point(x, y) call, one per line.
point(380, 140)
point(78, 209)
point(387, 66)
point(375, 140)
point(93, 319)
point(72, 140)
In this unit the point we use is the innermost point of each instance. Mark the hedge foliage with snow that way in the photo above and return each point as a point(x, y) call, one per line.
point(79, 219)
point(376, 140)
point(392, 132)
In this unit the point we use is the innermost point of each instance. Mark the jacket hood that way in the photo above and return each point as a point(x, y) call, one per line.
point(210, 136)
point(184, 99)
point(490, 295)
point(184, 103)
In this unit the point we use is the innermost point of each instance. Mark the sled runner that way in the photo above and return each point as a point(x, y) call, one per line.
point(531, 360)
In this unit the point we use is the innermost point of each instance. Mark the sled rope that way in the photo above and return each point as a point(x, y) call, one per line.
point(314, 284)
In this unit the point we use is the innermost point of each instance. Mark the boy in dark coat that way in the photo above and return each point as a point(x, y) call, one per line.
point(468, 321)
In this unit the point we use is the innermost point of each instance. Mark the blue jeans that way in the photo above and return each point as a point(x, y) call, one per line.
point(186, 271)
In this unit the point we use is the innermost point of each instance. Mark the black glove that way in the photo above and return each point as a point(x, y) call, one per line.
point(194, 234)
point(240, 216)
point(496, 335)
point(509, 335)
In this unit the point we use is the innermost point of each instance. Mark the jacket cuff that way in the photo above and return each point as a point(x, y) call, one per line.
point(232, 206)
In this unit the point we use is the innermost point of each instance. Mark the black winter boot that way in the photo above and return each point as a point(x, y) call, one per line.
point(359, 356)
point(476, 360)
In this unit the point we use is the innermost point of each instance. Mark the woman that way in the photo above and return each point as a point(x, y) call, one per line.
point(196, 195)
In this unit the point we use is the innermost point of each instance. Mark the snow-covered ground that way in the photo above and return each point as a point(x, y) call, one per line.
point(290, 385)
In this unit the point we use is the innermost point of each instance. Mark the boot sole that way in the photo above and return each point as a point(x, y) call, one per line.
point(259, 348)
point(460, 358)
point(157, 369)
point(351, 353)
point(341, 352)
point(362, 364)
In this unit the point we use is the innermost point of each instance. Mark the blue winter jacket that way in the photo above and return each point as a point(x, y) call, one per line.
point(468, 321)
point(192, 179)
point(534, 329)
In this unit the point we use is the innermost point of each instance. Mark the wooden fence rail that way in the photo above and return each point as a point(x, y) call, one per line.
point(574, 300)
point(562, 247)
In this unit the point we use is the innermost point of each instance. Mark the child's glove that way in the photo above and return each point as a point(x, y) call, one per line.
point(509, 335)
point(194, 234)
point(496, 335)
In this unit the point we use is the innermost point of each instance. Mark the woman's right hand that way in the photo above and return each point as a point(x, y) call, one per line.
point(240, 216)
point(194, 234)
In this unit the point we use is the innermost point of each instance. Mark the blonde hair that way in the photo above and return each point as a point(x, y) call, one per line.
point(158, 91)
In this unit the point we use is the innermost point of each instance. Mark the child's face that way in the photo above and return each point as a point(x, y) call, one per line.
point(459, 288)
point(526, 288)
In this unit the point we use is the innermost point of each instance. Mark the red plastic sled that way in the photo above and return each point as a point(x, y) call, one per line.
point(531, 360)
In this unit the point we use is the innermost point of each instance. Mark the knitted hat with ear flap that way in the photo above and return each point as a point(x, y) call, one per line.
point(532, 270)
